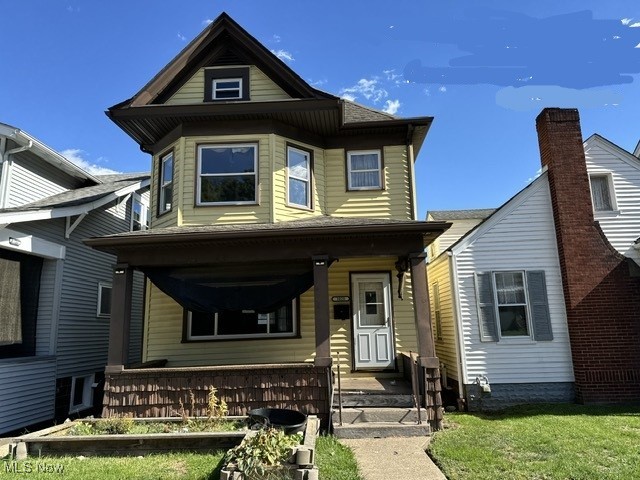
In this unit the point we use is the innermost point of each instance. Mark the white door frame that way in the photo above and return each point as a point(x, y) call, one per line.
point(373, 345)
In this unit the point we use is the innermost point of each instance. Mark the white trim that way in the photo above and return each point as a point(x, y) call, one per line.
point(87, 393)
point(162, 202)
point(144, 214)
point(199, 175)
point(379, 169)
point(21, 242)
point(611, 191)
point(457, 323)
point(58, 212)
point(70, 227)
point(215, 90)
point(611, 148)
point(307, 155)
point(526, 305)
point(101, 286)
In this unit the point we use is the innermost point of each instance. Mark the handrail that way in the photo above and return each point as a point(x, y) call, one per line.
point(415, 383)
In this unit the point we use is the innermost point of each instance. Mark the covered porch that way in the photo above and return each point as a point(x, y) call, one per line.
point(262, 266)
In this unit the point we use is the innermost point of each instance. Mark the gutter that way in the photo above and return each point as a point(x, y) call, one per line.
point(462, 373)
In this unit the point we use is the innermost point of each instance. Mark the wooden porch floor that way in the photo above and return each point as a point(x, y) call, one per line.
point(372, 385)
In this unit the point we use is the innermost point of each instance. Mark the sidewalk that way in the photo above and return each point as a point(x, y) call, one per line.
point(385, 458)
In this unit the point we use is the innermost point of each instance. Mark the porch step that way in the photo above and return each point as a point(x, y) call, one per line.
point(366, 399)
point(378, 414)
point(381, 430)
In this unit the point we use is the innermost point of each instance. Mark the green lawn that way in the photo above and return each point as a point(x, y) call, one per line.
point(336, 462)
point(541, 442)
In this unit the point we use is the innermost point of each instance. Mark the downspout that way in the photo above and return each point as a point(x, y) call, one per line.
point(412, 172)
point(462, 374)
point(7, 163)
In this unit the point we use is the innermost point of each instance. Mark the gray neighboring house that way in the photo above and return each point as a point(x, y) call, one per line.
point(55, 292)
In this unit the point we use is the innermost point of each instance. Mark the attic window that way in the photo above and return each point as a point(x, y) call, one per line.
point(225, 84)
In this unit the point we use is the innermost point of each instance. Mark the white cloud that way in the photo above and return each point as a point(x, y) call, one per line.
point(207, 21)
point(276, 38)
point(634, 25)
point(391, 106)
point(442, 89)
point(182, 37)
point(348, 96)
point(317, 83)
point(626, 21)
point(368, 88)
point(74, 155)
point(283, 55)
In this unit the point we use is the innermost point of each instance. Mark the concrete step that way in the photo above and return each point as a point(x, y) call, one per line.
point(381, 430)
point(379, 414)
point(363, 399)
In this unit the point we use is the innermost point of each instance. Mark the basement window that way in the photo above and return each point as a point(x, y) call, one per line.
point(81, 393)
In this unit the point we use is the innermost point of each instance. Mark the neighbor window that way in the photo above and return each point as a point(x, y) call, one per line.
point(436, 311)
point(511, 303)
point(242, 324)
point(227, 174)
point(104, 300)
point(299, 175)
point(601, 193)
point(364, 170)
point(81, 393)
point(166, 183)
point(139, 213)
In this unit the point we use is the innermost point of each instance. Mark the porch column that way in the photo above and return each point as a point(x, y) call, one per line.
point(321, 309)
point(426, 348)
point(121, 291)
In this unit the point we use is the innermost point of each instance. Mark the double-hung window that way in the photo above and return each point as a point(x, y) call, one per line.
point(601, 193)
point(299, 177)
point(511, 302)
point(436, 311)
point(139, 213)
point(242, 324)
point(165, 198)
point(364, 170)
point(227, 174)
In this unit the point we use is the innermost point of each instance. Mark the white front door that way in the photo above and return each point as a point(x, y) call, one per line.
point(372, 327)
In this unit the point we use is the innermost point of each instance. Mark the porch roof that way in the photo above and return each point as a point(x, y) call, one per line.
point(298, 239)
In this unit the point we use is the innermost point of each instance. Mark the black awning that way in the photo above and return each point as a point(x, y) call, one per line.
point(262, 288)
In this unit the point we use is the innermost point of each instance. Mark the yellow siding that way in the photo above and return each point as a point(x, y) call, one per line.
point(163, 334)
point(439, 272)
point(262, 89)
point(170, 218)
point(282, 211)
point(392, 202)
point(192, 215)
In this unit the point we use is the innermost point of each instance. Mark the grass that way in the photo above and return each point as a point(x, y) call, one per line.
point(336, 462)
point(541, 442)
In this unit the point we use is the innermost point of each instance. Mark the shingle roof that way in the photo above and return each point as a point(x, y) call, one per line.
point(79, 196)
point(356, 113)
point(443, 215)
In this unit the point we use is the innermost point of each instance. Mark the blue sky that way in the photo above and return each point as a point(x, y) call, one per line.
point(483, 69)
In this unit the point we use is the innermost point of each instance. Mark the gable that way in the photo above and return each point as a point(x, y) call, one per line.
point(261, 88)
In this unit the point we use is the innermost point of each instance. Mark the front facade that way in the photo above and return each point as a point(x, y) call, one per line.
point(283, 233)
point(55, 290)
point(510, 325)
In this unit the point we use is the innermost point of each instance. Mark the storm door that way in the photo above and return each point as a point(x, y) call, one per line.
point(372, 323)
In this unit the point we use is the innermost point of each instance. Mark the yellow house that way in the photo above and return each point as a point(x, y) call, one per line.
point(283, 234)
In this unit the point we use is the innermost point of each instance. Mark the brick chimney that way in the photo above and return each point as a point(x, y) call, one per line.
point(601, 297)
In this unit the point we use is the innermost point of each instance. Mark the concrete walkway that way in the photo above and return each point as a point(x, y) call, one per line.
point(386, 458)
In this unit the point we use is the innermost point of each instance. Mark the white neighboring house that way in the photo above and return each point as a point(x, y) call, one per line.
point(55, 292)
point(496, 293)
